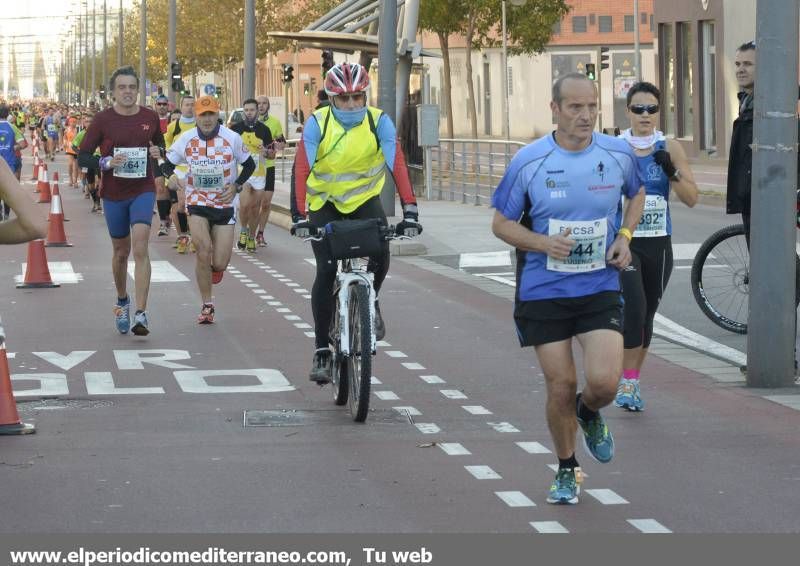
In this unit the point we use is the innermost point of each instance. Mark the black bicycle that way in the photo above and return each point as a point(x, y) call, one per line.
point(721, 278)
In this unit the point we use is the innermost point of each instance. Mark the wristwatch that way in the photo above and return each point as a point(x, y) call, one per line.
point(677, 176)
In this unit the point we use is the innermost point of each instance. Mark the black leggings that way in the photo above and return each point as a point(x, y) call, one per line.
point(321, 303)
point(643, 284)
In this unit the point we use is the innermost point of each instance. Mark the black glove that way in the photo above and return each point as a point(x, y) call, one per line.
point(410, 225)
point(662, 158)
point(302, 229)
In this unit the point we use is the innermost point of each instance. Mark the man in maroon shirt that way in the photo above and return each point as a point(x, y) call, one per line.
point(129, 139)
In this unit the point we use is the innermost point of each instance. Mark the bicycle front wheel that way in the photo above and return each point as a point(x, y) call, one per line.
point(360, 359)
point(721, 278)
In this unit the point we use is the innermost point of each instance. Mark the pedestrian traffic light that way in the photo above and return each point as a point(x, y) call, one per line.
point(327, 61)
point(288, 73)
point(590, 71)
point(218, 91)
point(177, 77)
point(604, 58)
point(102, 90)
point(306, 89)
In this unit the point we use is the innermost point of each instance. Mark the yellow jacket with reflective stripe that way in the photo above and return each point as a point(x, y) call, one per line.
point(350, 168)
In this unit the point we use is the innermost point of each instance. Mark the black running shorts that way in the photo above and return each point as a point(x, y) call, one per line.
point(553, 320)
point(215, 216)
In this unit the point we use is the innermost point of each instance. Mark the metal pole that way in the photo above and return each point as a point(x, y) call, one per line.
point(599, 72)
point(171, 55)
point(250, 49)
point(409, 37)
point(93, 54)
point(387, 66)
point(85, 97)
point(105, 50)
point(506, 123)
point(426, 99)
point(121, 41)
point(636, 48)
point(143, 56)
point(771, 321)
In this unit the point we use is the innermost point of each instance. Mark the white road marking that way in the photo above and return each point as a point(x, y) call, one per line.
point(291, 317)
point(548, 527)
point(666, 328)
point(408, 411)
point(65, 362)
point(607, 496)
point(160, 272)
point(452, 394)
point(102, 383)
point(270, 381)
point(427, 428)
point(247, 280)
point(395, 354)
point(274, 303)
point(306, 296)
point(300, 291)
point(50, 384)
point(61, 272)
point(284, 280)
point(484, 259)
point(432, 379)
point(252, 285)
point(454, 449)
point(302, 325)
point(515, 499)
point(503, 427)
point(504, 278)
point(284, 309)
point(375, 381)
point(383, 344)
point(240, 275)
point(791, 401)
point(310, 334)
point(292, 285)
point(268, 297)
point(311, 261)
point(554, 467)
point(476, 409)
point(387, 395)
point(534, 448)
point(135, 359)
point(259, 291)
point(413, 365)
point(650, 526)
point(483, 473)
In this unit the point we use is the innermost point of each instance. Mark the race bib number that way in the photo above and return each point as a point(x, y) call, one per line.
point(135, 167)
point(588, 253)
point(51, 128)
point(208, 178)
point(654, 218)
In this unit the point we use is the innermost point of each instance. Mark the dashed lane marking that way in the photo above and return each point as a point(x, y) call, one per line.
point(483, 473)
point(387, 395)
point(454, 449)
point(413, 366)
point(534, 448)
point(395, 354)
point(515, 499)
point(432, 379)
point(452, 394)
point(607, 496)
point(427, 428)
point(408, 411)
point(503, 427)
point(476, 410)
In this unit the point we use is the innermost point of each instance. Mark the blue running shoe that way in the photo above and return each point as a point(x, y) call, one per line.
point(597, 439)
point(566, 487)
point(624, 399)
point(638, 403)
point(140, 324)
point(122, 316)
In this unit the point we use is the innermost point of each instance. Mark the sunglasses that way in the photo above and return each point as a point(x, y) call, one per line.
point(349, 97)
point(162, 104)
point(642, 108)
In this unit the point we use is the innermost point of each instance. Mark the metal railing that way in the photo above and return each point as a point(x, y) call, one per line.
point(469, 170)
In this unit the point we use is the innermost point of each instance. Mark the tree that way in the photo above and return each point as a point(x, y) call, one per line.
point(529, 29)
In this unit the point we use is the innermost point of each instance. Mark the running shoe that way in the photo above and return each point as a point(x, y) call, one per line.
point(206, 314)
point(322, 366)
point(566, 487)
point(597, 439)
point(250, 245)
point(380, 327)
point(163, 230)
point(140, 324)
point(624, 399)
point(638, 403)
point(183, 244)
point(216, 277)
point(177, 241)
point(192, 248)
point(242, 243)
point(260, 240)
point(122, 316)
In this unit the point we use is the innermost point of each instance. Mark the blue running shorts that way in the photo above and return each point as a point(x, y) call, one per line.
point(122, 214)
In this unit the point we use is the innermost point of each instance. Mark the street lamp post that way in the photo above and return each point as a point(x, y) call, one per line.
point(506, 123)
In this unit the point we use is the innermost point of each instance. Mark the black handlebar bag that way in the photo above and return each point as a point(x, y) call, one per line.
point(355, 238)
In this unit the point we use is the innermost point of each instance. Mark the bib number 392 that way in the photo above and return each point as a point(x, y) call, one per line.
point(654, 218)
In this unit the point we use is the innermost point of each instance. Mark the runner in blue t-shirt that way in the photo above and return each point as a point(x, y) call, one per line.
point(559, 205)
point(50, 127)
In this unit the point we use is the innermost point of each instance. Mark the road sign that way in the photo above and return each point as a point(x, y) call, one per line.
point(210, 89)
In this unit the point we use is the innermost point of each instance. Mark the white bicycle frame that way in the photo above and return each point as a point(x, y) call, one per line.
point(358, 275)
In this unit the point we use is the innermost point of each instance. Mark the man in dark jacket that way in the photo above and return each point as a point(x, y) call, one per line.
point(740, 158)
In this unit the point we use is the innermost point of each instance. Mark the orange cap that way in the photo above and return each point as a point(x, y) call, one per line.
point(206, 104)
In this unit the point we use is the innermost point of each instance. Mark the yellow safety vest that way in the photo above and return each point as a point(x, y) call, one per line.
point(350, 168)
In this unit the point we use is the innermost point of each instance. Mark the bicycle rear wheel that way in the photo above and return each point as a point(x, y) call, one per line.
point(360, 358)
point(721, 278)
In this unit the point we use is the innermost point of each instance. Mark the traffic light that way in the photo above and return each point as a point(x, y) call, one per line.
point(288, 73)
point(177, 77)
point(327, 61)
point(102, 90)
point(590, 71)
point(218, 91)
point(306, 89)
point(604, 58)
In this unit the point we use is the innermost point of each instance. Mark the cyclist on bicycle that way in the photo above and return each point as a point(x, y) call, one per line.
point(341, 165)
point(663, 166)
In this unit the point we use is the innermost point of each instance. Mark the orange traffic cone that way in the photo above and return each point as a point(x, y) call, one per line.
point(54, 191)
point(39, 175)
point(56, 237)
point(37, 273)
point(35, 176)
point(44, 187)
point(10, 422)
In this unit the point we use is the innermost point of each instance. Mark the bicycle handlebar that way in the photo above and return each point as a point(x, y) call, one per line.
point(387, 233)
